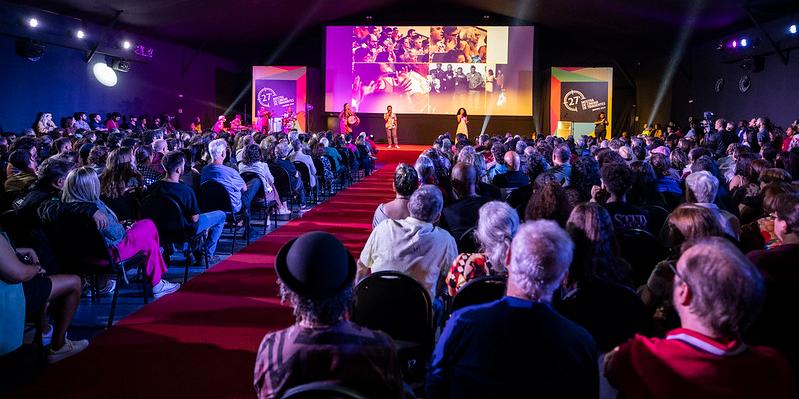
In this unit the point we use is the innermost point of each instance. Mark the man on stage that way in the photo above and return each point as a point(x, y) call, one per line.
point(391, 127)
point(601, 126)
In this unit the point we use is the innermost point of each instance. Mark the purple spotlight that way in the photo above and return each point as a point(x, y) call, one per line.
point(734, 43)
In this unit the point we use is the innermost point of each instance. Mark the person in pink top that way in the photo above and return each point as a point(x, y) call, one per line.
point(113, 121)
point(717, 293)
point(219, 125)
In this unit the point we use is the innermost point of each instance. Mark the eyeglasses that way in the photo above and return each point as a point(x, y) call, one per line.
point(673, 268)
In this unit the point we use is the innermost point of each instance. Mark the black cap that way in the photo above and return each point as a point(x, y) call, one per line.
point(315, 265)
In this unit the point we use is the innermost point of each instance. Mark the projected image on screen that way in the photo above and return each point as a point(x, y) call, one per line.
point(430, 69)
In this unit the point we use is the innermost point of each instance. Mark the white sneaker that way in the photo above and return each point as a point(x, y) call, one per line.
point(70, 348)
point(164, 288)
point(396, 146)
point(30, 333)
point(389, 147)
point(109, 287)
point(283, 211)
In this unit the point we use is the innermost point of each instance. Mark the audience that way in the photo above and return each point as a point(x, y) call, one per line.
point(518, 343)
point(241, 193)
point(406, 181)
point(315, 274)
point(282, 153)
point(497, 225)
point(413, 245)
point(705, 357)
point(251, 162)
point(513, 177)
point(462, 214)
point(617, 179)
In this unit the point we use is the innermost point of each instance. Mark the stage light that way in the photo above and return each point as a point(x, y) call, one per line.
point(744, 42)
point(104, 74)
point(126, 45)
point(33, 22)
point(792, 29)
point(734, 44)
point(80, 34)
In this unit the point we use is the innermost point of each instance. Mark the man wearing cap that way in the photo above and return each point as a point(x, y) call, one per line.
point(316, 273)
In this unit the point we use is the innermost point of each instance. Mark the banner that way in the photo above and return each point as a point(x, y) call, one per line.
point(276, 95)
point(279, 89)
point(577, 96)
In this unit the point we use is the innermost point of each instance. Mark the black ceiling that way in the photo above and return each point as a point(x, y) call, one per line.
point(230, 27)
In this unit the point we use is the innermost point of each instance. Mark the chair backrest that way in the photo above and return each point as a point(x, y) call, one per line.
point(396, 304)
point(467, 243)
point(347, 156)
point(480, 290)
point(321, 390)
point(642, 250)
point(126, 206)
point(282, 181)
point(167, 215)
point(81, 245)
point(305, 173)
point(247, 176)
point(213, 196)
point(320, 168)
point(656, 218)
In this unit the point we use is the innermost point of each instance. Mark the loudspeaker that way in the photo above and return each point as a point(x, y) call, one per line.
point(754, 64)
point(120, 65)
point(30, 49)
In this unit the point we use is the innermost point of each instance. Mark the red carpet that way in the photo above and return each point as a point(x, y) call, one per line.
point(201, 341)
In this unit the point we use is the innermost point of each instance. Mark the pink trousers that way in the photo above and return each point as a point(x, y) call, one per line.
point(143, 236)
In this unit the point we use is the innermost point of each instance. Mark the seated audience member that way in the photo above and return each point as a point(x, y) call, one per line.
point(62, 145)
point(81, 195)
point(549, 201)
point(665, 183)
point(317, 154)
point(778, 265)
point(561, 169)
point(585, 175)
point(98, 155)
point(413, 245)
point(26, 291)
point(485, 189)
point(144, 164)
point(23, 172)
point(406, 181)
point(701, 188)
point(462, 214)
point(760, 234)
point(338, 166)
point(252, 162)
point(160, 149)
point(518, 343)
point(121, 184)
point(282, 152)
point(171, 187)
point(241, 193)
point(617, 179)
point(299, 156)
point(497, 164)
point(717, 293)
point(643, 191)
point(596, 293)
point(513, 177)
point(315, 274)
point(723, 198)
point(497, 224)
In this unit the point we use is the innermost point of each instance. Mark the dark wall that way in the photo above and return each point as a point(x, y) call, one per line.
point(61, 82)
point(773, 91)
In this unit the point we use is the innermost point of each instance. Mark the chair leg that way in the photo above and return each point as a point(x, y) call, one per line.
point(145, 292)
point(247, 227)
point(204, 243)
point(187, 261)
point(112, 312)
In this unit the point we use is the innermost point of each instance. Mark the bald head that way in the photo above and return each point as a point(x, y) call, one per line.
point(512, 160)
point(464, 177)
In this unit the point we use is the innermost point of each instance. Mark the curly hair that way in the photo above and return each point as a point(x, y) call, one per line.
point(585, 174)
point(119, 173)
point(252, 154)
point(549, 201)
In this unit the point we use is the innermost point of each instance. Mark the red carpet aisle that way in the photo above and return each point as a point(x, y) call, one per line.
point(201, 341)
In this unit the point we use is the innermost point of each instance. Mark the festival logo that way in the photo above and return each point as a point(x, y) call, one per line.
point(265, 96)
point(582, 101)
point(276, 95)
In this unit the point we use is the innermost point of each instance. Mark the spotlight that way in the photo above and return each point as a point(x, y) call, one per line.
point(120, 65)
point(32, 50)
point(368, 17)
point(744, 42)
point(80, 34)
point(734, 44)
point(126, 45)
point(104, 74)
point(792, 29)
point(33, 22)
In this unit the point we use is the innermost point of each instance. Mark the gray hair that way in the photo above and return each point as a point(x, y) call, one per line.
point(282, 150)
point(426, 203)
point(703, 186)
point(728, 290)
point(324, 142)
point(497, 225)
point(159, 145)
point(521, 146)
point(321, 311)
point(424, 168)
point(217, 149)
point(469, 155)
point(541, 253)
point(81, 185)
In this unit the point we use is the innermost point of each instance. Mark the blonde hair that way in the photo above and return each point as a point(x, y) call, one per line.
point(81, 185)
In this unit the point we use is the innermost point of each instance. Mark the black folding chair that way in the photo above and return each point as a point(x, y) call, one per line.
point(642, 251)
point(656, 217)
point(321, 390)
point(214, 197)
point(480, 290)
point(260, 203)
point(82, 249)
point(126, 206)
point(467, 243)
point(305, 176)
point(173, 229)
point(398, 305)
point(283, 185)
point(337, 176)
point(348, 158)
point(320, 178)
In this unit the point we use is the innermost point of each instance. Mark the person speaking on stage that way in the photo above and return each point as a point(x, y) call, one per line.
point(347, 119)
point(391, 126)
point(462, 119)
point(601, 126)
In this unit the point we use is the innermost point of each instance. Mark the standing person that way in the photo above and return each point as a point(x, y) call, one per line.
point(391, 126)
point(219, 125)
point(344, 119)
point(462, 119)
point(601, 126)
point(489, 87)
point(196, 125)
